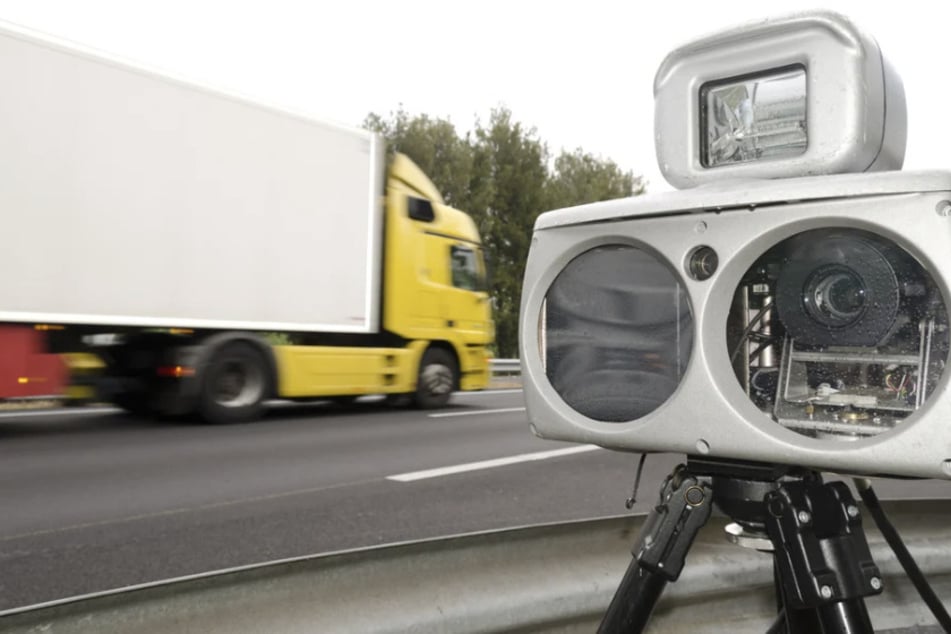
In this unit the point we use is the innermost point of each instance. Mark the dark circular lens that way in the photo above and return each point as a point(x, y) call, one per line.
point(702, 263)
point(841, 288)
point(835, 296)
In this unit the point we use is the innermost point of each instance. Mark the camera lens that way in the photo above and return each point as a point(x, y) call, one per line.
point(835, 295)
point(617, 332)
point(841, 288)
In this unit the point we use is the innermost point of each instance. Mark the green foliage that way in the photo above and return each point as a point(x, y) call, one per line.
point(434, 145)
point(278, 338)
point(582, 178)
point(502, 175)
point(511, 163)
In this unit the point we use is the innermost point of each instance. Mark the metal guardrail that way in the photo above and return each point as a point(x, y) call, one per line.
point(506, 367)
point(558, 577)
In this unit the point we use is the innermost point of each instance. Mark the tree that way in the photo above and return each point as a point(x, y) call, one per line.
point(581, 178)
point(500, 175)
point(434, 145)
point(514, 162)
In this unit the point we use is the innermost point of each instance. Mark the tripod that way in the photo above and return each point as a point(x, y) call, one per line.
point(823, 569)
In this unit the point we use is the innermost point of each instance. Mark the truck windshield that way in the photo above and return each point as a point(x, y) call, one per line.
point(467, 270)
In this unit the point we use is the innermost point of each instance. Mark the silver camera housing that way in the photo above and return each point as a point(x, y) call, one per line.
point(709, 413)
point(855, 101)
point(799, 321)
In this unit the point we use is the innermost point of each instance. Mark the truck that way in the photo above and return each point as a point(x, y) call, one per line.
point(217, 252)
point(27, 370)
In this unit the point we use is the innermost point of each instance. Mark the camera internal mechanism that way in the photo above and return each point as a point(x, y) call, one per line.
point(838, 333)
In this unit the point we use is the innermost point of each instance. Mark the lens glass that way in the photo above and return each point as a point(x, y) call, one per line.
point(835, 296)
point(754, 118)
point(617, 332)
point(838, 333)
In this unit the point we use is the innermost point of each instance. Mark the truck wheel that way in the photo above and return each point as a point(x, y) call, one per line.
point(234, 385)
point(135, 403)
point(399, 400)
point(437, 379)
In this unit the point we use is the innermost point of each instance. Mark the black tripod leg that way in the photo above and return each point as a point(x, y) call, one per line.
point(825, 565)
point(845, 617)
point(791, 620)
point(631, 607)
point(665, 538)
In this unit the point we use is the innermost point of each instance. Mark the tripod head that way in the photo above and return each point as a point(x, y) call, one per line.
point(740, 487)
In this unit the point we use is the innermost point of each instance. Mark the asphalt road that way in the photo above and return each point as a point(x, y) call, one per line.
point(94, 500)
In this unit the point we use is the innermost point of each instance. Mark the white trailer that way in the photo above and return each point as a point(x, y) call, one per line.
point(134, 199)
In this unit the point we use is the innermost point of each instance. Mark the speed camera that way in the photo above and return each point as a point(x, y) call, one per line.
point(789, 304)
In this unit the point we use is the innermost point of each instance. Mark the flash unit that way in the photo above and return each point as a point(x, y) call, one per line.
point(754, 118)
point(803, 95)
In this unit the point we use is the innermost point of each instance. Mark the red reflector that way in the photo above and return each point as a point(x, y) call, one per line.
point(174, 371)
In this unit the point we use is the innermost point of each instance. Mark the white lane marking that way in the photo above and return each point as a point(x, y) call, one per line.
point(489, 392)
point(478, 411)
point(489, 464)
point(80, 411)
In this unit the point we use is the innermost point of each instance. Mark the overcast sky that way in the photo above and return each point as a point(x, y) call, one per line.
point(580, 72)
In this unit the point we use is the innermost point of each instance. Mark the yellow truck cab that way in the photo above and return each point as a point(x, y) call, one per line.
point(437, 322)
point(435, 286)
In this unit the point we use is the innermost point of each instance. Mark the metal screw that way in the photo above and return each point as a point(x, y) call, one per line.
point(826, 592)
point(852, 510)
point(694, 496)
point(804, 516)
point(876, 583)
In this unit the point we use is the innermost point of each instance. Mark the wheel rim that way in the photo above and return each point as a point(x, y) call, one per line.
point(437, 379)
point(238, 384)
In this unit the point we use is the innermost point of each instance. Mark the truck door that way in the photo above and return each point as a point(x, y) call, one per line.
point(467, 305)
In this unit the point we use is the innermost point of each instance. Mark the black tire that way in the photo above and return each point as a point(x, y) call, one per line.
point(399, 400)
point(134, 403)
point(234, 385)
point(131, 372)
point(438, 377)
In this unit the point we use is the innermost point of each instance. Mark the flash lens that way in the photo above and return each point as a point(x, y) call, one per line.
point(618, 332)
point(754, 118)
